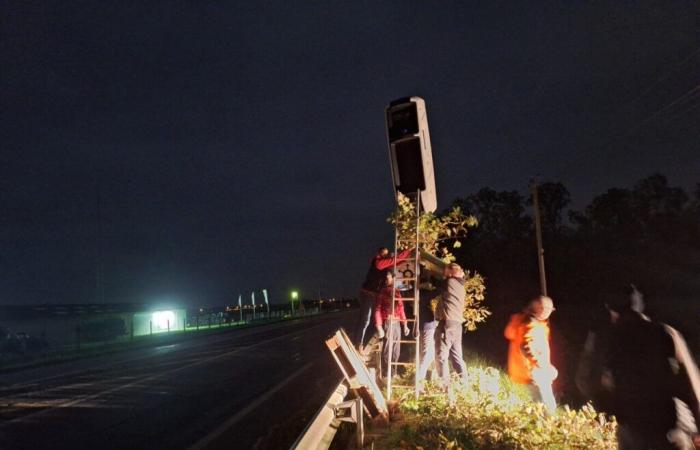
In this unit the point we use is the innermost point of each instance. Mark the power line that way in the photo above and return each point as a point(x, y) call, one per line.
point(691, 94)
point(667, 75)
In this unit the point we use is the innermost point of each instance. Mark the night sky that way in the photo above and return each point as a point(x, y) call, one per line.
point(231, 146)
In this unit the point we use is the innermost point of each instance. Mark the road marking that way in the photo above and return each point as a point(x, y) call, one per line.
point(221, 429)
point(241, 334)
point(153, 377)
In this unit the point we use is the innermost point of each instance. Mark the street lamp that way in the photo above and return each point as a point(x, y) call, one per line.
point(295, 296)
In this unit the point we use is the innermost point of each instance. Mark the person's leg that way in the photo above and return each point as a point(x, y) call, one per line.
point(386, 351)
point(454, 332)
point(427, 351)
point(442, 350)
point(364, 318)
point(397, 341)
point(546, 396)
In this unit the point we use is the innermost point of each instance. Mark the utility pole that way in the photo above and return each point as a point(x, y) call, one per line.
point(538, 234)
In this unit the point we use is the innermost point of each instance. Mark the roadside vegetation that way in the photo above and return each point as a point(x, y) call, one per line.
point(648, 234)
point(489, 413)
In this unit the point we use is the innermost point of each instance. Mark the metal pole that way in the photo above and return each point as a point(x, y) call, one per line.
point(538, 234)
point(390, 324)
point(416, 296)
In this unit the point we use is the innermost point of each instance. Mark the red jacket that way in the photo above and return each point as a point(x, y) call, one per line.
point(374, 277)
point(382, 307)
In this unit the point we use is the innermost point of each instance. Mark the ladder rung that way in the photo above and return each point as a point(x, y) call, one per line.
point(405, 341)
point(403, 364)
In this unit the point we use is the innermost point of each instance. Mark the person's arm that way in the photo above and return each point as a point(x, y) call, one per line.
point(536, 346)
point(385, 263)
point(689, 389)
point(378, 320)
point(401, 313)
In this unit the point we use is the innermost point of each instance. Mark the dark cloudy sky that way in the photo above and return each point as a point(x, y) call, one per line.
point(240, 145)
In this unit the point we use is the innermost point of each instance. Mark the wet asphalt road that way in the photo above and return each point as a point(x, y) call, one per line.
point(239, 389)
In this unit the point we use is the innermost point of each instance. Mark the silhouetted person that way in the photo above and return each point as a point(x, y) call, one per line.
point(648, 371)
point(529, 361)
point(368, 292)
point(450, 315)
point(388, 324)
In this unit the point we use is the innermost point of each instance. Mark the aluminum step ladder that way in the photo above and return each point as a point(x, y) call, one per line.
point(406, 278)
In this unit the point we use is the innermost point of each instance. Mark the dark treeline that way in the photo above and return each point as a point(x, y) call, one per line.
point(648, 234)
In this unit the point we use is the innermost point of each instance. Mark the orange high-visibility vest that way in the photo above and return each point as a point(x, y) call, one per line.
point(528, 348)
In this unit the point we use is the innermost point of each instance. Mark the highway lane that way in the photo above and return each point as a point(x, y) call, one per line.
point(252, 388)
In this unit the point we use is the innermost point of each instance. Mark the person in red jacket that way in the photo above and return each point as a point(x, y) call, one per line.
point(387, 323)
point(529, 360)
point(382, 261)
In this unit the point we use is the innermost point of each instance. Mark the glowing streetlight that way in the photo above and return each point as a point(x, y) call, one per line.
point(295, 296)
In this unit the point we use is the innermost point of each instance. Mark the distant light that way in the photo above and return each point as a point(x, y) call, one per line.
point(295, 295)
point(162, 320)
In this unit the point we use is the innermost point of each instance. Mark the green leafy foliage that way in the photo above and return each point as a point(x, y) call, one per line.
point(490, 412)
point(434, 230)
point(474, 310)
point(434, 233)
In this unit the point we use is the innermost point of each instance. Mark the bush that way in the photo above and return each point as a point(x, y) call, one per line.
point(491, 412)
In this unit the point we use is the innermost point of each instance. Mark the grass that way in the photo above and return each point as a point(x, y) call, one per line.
point(491, 412)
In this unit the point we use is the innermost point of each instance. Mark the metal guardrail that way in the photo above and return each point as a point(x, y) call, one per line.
point(357, 379)
point(319, 433)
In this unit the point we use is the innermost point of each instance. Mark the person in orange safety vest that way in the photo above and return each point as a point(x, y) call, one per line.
point(529, 361)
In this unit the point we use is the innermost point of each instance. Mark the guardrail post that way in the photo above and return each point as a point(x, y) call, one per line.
point(351, 411)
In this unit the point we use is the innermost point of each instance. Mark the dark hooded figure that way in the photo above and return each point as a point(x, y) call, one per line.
point(651, 378)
